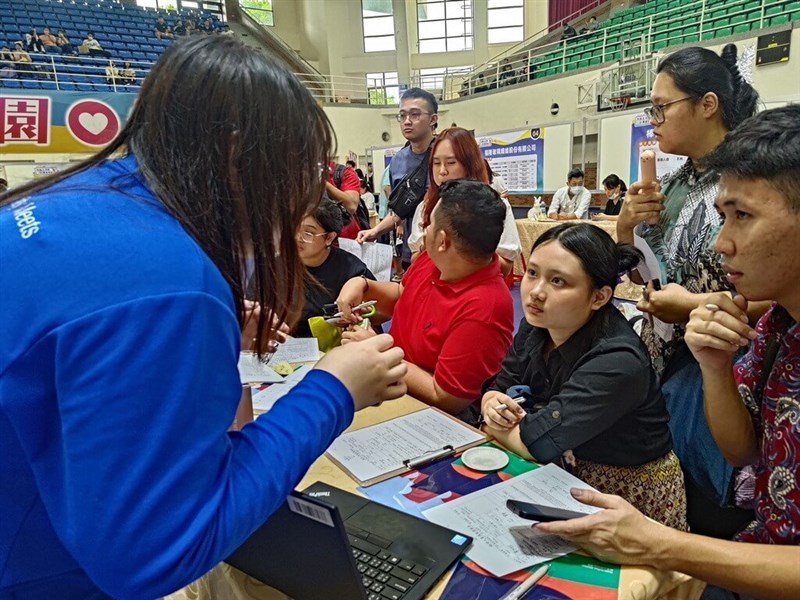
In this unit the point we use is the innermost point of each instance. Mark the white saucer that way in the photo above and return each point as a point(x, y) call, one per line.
point(485, 459)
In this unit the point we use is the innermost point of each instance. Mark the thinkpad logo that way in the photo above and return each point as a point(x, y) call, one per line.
point(318, 494)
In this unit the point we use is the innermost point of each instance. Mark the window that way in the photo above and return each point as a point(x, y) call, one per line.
point(444, 25)
point(506, 18)
point(260, 10)
point(377, 20)
point(383, 88)
point(433, 79)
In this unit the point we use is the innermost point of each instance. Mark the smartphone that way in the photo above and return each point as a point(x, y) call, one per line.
point(538, 512)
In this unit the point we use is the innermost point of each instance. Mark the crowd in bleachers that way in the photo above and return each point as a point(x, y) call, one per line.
point(74, 47)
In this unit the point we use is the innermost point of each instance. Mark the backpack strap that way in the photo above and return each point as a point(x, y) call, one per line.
point(338, 175)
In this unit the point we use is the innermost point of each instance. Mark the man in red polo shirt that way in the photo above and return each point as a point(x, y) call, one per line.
point(346, 190)
point(452, 314)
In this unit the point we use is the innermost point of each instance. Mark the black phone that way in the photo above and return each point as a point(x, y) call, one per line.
point(538, 512)
point(656, 284)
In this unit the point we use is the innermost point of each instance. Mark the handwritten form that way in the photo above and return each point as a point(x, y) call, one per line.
point(380, 449)
point(265, 399)
point(296, 350)
point(504, 542)
point(252, 370)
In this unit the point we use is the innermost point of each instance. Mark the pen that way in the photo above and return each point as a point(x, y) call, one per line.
point(522, 589)
point(429, 457)
point(520, 400)
point(361, 306)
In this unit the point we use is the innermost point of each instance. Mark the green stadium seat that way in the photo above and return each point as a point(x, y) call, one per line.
point(742, 28)
point(724, 32)
point(774, 10)
point(660, 45)
point(595, 61)
point(691, 38)
point(779, 20)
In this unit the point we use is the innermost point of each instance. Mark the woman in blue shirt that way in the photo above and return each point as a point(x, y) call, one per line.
point(122, 310)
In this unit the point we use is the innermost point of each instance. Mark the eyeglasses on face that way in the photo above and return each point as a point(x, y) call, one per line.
point(307, 237)
point(414, 115)
point(656, 112)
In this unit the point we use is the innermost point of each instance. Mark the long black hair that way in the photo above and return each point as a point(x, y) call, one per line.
point(602, 258)
point(235, 148)
point(697, 71)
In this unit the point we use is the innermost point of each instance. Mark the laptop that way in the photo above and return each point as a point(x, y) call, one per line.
point(325, 543)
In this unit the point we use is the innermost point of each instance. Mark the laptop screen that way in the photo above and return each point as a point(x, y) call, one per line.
point(327, 543)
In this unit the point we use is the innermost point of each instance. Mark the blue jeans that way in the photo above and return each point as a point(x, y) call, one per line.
point(701, 459)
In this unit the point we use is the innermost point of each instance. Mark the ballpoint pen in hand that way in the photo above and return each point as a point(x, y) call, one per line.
point(361, 306)
point(520, 393)
point(523, 588)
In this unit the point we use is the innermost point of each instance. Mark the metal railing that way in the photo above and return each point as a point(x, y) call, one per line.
point(631, 39)
point(70, 73)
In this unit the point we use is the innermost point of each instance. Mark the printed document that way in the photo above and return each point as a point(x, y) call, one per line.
point(504, 542)
point(377, 257)
point(263, 400)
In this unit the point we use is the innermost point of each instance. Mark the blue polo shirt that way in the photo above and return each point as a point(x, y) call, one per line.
point(118, 383)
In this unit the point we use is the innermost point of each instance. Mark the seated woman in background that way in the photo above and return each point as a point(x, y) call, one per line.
point(455, 155)
point(7, 70)
point(128, 74)
point(63, 42)
point(329, 266)
point(615, 190)
point(595, 404)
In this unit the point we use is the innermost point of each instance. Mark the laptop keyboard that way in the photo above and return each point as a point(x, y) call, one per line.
point(384, 575)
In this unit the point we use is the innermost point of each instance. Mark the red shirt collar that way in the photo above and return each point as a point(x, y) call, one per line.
point(487, 272)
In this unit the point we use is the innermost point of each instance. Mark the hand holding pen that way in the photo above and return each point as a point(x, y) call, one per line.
point(503, 411)
point(365, 309)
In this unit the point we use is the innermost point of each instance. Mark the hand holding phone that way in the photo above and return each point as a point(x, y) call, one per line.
point(541, 513)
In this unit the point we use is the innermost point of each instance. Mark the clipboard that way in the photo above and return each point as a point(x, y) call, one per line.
point(378, 452)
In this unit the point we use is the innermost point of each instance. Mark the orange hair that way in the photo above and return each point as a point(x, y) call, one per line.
point(466, 152)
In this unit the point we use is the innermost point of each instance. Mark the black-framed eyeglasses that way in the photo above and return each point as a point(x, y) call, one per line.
point(656, 112)
point(414, 115)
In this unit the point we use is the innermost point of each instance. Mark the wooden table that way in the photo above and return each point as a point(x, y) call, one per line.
point(529, 231)
point(231, 584)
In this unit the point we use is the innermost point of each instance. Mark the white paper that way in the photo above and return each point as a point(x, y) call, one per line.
point(377, 257)
point(265, 399)
point(649, 270)
point(296, 350)
point(373, 451)
point(504, 542)
point(252, 370)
